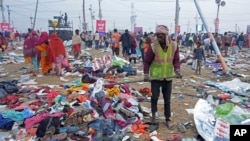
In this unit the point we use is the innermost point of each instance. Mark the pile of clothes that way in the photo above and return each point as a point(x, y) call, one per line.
point(83, 109)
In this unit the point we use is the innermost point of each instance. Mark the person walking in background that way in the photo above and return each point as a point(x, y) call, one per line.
point(30, 52)
point(17, 36)
point(142, 44)
point(116, 45)
point(42, 46)
point(2, 42)
point(147, 44)
point(241, 41)
point(97, 40)
point(126, 43)
point(57, 53)
point(228, 40)
point(199, 55)
point(76, 44)
point(218, 40)
point(191, 40)
point(161, 61)
point(132, 50)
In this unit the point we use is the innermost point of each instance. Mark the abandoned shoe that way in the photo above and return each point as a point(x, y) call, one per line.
point(170, 125)
point(156, 115)
point(181, 127)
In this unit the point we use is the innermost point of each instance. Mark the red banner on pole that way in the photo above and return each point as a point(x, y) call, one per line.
point(101, 25)
point(4, 26)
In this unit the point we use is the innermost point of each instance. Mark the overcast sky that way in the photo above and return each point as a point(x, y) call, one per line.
point(117, 13)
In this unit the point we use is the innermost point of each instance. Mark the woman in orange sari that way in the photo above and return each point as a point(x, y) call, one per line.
point(42, 46)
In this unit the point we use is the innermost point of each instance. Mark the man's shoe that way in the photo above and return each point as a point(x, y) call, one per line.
point(170, 125)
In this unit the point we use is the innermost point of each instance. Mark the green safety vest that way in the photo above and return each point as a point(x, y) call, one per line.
point(162, 65)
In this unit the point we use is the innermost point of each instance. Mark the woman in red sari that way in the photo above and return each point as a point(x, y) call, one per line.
point(57, 53)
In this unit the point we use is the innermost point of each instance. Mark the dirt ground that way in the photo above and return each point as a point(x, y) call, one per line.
point(179, 106)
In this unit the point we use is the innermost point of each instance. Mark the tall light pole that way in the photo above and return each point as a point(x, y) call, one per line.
point(92, 17)
point(133, 17)
point(84, 25)
point(100, 10)
point(8, 9)
point(216, 22)
point(34, 23)
point(2, 9)
point(177, 11)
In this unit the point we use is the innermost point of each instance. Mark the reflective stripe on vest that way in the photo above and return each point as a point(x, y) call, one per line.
point(156, 48)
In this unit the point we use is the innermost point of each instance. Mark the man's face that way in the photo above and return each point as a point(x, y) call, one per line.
point(161, 37)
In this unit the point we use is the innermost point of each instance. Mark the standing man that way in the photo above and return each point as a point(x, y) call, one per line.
point(227, 39)
point(126, 43)
point(76, 44)
point(116, 45)
point(161, 61)
point(97, 40)
point(241, 41)
point(65, 19)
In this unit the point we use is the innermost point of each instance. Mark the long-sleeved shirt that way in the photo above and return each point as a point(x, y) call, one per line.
point(149, 58)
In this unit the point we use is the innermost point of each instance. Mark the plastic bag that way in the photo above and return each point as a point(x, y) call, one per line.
point(223, 109)
point(194, 64)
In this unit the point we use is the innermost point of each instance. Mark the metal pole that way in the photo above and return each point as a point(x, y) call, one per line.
point(177, 9)
point(218, 9)
point(84, 18)
point(100, 10)
point(223, 64)
point(217, 17)
point(31, 24)
point(8, 7)
point(34, 23)
point(91, 13)
point(1, 5)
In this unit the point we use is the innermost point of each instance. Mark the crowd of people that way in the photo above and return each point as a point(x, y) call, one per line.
point(44, 51)
point(159, 52)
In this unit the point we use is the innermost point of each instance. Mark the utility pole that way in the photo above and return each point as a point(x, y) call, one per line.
point(31, 21)
point(8, 13)
point(84, 18)
point(34, 23)
point(188, 26)
point(133, 17)
point(236, 27)
point(92, 17)
point(100, 10)
point(80, 27)
point(197, 24)
point(177, 12)
point(2, 9)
